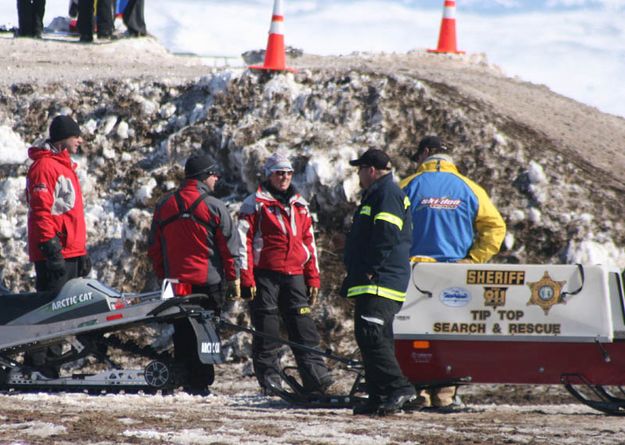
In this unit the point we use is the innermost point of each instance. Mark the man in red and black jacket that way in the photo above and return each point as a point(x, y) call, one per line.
point(193, 240)
point(280, 274)
point(56, 221)
point(57, 234)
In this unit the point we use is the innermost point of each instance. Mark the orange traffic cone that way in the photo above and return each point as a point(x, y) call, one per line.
point(447, 36)
point(275, 56)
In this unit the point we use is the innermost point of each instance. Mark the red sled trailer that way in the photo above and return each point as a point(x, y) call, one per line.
point(516, 324)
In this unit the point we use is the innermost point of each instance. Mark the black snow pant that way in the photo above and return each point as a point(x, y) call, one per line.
point(185, 344)
point(30, 17)
point(134, 18)
point(47, 282)
point(104, 15)
point(284, 296)
point(373, 326)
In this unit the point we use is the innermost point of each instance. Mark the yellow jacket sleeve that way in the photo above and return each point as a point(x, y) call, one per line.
point(490, 227)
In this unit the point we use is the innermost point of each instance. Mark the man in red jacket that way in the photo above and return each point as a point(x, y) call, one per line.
point(279, 273)
point(193, 240)
point(57, 233)
point(56, 221)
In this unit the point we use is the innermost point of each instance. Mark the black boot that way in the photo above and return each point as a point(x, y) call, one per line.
point(370, 407)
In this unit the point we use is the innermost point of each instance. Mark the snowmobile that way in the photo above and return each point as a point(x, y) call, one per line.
point(81, 317)
point(79, 320)
point(516, 324)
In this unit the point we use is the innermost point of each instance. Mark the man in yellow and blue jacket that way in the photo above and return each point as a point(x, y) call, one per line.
point(378, 271)
point(454, 220)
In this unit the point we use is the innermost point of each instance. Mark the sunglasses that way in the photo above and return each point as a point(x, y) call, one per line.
point(284, 173)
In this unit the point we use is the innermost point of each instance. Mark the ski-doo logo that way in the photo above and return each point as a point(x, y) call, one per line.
point(441, 203)
point(70, 301)
point(210, 348)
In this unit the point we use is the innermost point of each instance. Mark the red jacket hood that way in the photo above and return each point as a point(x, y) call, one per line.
point(37, 153)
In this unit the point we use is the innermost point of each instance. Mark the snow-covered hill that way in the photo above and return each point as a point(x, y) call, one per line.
point(550, 164)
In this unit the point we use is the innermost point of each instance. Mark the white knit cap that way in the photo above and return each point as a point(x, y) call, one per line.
point(277, 162)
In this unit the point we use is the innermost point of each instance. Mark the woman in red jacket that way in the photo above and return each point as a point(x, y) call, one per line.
point(56, 220)
point(279, 273)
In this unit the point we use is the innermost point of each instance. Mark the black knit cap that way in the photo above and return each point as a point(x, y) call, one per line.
point(373, 157)
point(63, 127)
point(200, 167)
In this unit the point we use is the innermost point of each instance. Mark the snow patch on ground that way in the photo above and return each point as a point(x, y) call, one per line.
point(35, 429)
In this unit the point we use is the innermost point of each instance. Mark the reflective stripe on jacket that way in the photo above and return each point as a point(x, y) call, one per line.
point(199, 249)
point(453, 217)
point(376, 251)
point(55, 203)
point(277, 237)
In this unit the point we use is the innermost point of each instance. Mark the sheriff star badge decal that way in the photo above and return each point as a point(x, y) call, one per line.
point(546, 292)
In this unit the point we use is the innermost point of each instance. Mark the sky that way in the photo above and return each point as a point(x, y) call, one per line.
point(575, 47)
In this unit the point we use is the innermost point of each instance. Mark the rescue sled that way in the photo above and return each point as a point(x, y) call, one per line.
point(516, 324)
point(78, 321)
point(292, 391)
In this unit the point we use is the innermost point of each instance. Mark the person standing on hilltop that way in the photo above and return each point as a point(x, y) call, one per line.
point(104, 23)
point(134, 18)
point(454, 222)
point(30, 18)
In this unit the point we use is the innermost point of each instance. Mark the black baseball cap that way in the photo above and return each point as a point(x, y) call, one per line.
point(373, 157)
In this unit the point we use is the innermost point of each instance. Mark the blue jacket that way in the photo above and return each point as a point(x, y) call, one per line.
point(453, 217)
point(376, 251)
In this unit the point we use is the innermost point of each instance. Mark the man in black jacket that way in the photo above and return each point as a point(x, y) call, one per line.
point(30, 17)
point(104, 23)
point(378, 270)
point(134, 18)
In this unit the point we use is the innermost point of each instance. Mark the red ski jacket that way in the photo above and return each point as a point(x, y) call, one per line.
point(193, 238)
point(277, 237)
point(55, 203)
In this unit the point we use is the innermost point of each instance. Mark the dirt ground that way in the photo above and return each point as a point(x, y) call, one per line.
point(236, 413)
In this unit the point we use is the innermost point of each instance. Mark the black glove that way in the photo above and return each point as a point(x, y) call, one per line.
point(344, 288)
point(248, 292)
point(55, 263)
point(84, 265)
